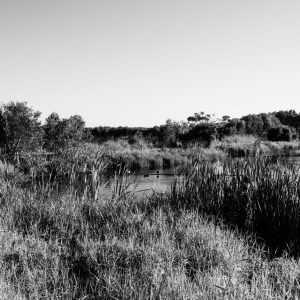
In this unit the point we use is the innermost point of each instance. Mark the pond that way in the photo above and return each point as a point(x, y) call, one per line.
point(287, 156)
point(145, 181)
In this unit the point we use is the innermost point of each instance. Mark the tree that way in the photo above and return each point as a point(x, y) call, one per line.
point(282, 133)
point(61, 133)
point(260, 124)
point(73, 129)
point(202, 132)
point(52, 131)
point(254, 124)
point(170, 132)
point(225, 118)
point(199, 118)
point(289, 118)
point(20, 129)
point(231, 127)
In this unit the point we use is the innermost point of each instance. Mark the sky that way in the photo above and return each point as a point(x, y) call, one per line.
point(140, 62)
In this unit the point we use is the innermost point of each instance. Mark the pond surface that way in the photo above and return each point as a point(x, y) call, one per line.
point(145, 182)
point(287, 156)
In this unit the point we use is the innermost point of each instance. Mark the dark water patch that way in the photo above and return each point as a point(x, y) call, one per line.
point(145, 182)
point(289, 157)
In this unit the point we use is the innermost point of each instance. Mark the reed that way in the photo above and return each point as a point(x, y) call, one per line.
point(135, 157)
point(72, 243)
point(249, 145)
point(254, 194)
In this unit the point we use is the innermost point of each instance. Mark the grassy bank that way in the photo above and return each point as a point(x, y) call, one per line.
point(63, 247)
point(62, 244)
point(248, 145)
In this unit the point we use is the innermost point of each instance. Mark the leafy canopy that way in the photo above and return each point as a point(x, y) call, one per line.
point(20, 129)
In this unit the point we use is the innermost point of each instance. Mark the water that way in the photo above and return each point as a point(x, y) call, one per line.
point(287, 156)
point(145, 182)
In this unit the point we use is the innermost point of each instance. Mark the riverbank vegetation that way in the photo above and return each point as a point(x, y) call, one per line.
point(24, 139)
point(73, 245)
point(228, 229)
point(256, 195)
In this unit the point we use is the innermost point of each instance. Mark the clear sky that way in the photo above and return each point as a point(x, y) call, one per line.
point(139, 62)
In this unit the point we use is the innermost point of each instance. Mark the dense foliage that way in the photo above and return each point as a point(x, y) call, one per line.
point(61, 133)
point(22, 132)
point(20, 129)
point(201, 127)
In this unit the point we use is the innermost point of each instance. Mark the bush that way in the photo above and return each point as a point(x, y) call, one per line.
point(20, 130)
point(281, 133)
point(203, 132)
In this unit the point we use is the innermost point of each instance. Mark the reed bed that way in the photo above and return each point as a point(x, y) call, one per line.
point(135, 157)
point(113, 154)
point(254, 194)
point(249, 145)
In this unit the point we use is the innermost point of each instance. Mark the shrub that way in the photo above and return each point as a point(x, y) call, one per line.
point(281, 133)
point(20, 129)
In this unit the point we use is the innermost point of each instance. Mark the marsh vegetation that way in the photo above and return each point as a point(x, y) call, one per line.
point(71, 245)
point(229, 229)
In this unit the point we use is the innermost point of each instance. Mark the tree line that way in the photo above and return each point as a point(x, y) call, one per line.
point(22, 131)
point(275, 126)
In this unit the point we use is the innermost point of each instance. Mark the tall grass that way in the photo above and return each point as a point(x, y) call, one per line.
point(249, 145)
point(72, 243)
point(136, 157)
point(254, 194)
point(113, 154)
point(75, 249)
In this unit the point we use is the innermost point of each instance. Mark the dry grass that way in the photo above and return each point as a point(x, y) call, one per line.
point(249, 145)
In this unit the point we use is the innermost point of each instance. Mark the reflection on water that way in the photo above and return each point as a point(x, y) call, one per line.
point(145, 182)
point(287, 157)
